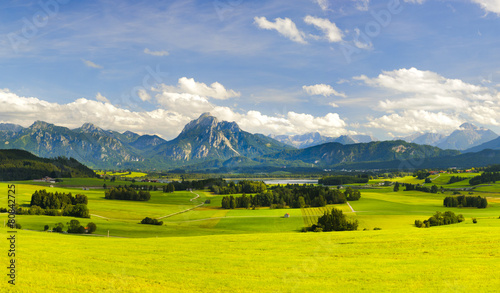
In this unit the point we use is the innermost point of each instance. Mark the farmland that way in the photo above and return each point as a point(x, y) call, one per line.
point(207, 248)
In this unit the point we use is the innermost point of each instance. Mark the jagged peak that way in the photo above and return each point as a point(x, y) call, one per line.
point(90, 127)
point(40, 124)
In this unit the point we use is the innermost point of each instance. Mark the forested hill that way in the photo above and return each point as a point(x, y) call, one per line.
point(22, 165)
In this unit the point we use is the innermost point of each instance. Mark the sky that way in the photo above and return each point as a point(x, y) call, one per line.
point(385, 68)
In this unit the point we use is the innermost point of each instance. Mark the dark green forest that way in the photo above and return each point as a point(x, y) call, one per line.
point(22, 165)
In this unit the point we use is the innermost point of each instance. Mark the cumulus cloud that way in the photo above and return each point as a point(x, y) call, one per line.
point(332, 33)
point(322, 89)
point(437, 103)
point(143, 95)
point(284, 26)
point(323, 4)
point(418, 81)
point(489, 5)
point(411, 121)
point(91, 64)
point(190, 86)
point(26, 110)
point(101, 98)
point(156, 53)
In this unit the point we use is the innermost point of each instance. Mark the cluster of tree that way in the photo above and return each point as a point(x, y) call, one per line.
point(454, 179)
point(51, 200)
point(78, 210)
point(150, 221)
point(197, 184)
point(334, 220)
point(439, 219)
point(75, 227)
point(421, 174)
point(56, 204)
point(169, 188)
point(344, 179)
point(127, 193)
point(465, 201)
point(136, 187)
point(485, 177)
point(293, 195)
point(243, 186)
point(418, 187)
point(22, 165)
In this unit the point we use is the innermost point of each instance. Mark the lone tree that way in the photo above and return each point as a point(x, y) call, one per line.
point(91, 227)
point(396, 187)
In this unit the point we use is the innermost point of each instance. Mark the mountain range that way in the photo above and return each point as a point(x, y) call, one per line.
point(465, 137)
point(315, 138)
point(206, 144)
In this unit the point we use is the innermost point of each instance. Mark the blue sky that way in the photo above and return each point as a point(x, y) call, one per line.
point(385, 68)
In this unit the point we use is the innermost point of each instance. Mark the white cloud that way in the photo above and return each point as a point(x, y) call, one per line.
point(91, 64)
point(362, 5)
point(323, 4)
point(143, 95)
point(411, 121)
point(179, 109)
point(322, 89)
point(417, 81)
point(414, 1)
point(437, 103)
point(156, 53)
point(332, 33)
point(101, 98)
point(26, 110)
point(184, 103)
point(333, 105)
point(284, 26)
point(367, 45)
point(489, 5)
point(293, 123)
point(190, 86)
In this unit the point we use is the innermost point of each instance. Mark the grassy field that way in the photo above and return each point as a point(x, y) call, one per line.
point(211, 249)
point(457, 258)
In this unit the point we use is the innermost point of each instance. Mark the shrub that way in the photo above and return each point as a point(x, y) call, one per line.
point(18, 226)
point(92, 227)
point(150, 221)
point(474, 220)
point(46, 227)
point(377, 228)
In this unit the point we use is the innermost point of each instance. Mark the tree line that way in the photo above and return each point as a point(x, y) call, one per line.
point(418, 187)
point(485, 177)
point(127, 193)
point(344, 179)
point(243, 186)
point(454, 179)
point(439, 219)
point(292, 195)
point(465, 201)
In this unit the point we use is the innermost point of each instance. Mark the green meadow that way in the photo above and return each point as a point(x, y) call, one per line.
point(204, 248)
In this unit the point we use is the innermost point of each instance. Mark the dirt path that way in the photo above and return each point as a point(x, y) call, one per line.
point(186, 210)
point(351, 207)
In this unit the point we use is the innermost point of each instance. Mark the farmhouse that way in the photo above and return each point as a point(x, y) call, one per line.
point(287, 215)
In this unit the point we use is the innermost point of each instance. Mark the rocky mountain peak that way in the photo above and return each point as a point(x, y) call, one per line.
point(40, 125)
point(89, 127)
